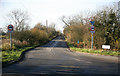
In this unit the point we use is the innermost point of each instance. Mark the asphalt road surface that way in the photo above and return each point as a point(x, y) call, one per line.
point(56, 58)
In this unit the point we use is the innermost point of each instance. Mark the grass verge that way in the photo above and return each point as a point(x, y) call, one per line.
point(100, 52)
point(13, 55)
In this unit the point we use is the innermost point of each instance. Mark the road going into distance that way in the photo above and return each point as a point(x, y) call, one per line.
point(55, 58)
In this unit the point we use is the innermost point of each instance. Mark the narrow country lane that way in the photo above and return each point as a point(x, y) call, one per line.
point(56, 58)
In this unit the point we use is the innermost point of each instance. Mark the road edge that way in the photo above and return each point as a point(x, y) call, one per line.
point(22, 56)
point(115, 57)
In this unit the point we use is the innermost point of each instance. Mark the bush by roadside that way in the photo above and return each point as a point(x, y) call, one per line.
point(24, 37)
point(22, 41)
point(11, 56)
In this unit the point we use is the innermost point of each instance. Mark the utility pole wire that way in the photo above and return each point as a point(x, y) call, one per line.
point(25, 7)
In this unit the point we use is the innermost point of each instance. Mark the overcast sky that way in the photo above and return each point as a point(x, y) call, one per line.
point(51, 10)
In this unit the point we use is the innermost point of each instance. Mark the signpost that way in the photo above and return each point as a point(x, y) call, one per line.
point(106, 46)
point(92, 31)
point(78, 41)
point(92, 22)
point(10, 30)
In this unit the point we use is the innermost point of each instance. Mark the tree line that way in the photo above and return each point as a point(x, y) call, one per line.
point(23, 35)
point(107, 29)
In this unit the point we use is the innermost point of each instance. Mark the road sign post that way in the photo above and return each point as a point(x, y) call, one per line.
point(10, 40)
point(78, 41)
point(92, 31)
point(106, 46)
point(92, 42)
point(10, 30)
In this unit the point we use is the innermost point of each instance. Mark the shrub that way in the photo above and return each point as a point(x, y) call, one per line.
point(6, 46)
point(20, 44)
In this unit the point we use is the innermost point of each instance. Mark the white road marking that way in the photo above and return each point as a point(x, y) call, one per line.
point(67, 49)
point(77, 59)
point(52, 47)
point(82, 60)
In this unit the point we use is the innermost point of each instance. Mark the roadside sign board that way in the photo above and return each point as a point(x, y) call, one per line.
point(10, 28)
point(92, 28)
point(106, 46)
point(78, 41)
point(92, 22)
point(92, 31)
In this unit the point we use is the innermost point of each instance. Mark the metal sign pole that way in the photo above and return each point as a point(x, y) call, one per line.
point(10, 30)
point(10, 40)
point(92, 42)
point(92, 31)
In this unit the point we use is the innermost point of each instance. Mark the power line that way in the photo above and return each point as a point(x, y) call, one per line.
point(25, 7)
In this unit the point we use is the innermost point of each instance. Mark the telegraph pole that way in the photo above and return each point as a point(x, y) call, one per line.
point(47, 26)
point(46, 23)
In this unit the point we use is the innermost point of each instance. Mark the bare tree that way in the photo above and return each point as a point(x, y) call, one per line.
point(19, 19)
point(65, 20)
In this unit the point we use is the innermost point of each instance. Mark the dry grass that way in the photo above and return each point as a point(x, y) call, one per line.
point(15, 44)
